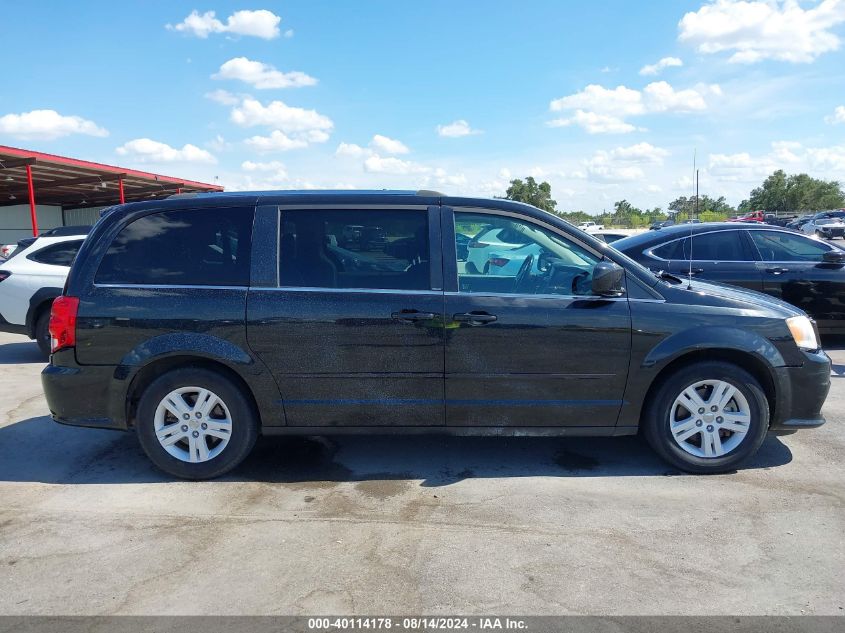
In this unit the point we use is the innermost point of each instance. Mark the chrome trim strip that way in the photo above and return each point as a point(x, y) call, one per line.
point(394, 291)
point(170, 286)
point(349, 207)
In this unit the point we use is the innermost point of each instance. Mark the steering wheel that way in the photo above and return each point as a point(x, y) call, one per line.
point(524, 272)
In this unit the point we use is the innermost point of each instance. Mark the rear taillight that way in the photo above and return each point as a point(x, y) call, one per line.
point(63, 323)
point(4, 275)
point(501, 262)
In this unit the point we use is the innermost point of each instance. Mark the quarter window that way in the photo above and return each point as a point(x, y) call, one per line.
point(204, 247)
point(61, 254)
point(501, 254)
point(354, 249)
point(778, 246)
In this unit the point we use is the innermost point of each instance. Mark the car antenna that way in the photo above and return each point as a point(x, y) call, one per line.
point(695, 175)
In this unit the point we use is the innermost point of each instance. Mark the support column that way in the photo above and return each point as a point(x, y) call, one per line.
point(33, 215)
point(120, 188)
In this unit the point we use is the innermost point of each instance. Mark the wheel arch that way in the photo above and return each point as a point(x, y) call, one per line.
point(748, 361)
point(38, 302)
point(144, 376)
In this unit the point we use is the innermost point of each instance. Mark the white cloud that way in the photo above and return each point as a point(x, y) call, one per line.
point(272, 165)
point(600, 110)
point(223, 97)
point(622, 164)
point(595, 123)
point(666, 62)
point(260, 23)
point(456, 129)
point(146, 150)
point(288, 34)
point(820, 162)
point(353, 150)
point(47, 125)
point(277, 141)
point(262, 76)
point(276, 114)
point(392, 165)
point(619, 101)
point(837, 117)
point(218, 143)
point(388, 145)
point(764, 29)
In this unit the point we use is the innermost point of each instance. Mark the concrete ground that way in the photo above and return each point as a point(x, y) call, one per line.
point(411, 525)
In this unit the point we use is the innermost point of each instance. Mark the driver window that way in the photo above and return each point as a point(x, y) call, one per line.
point(502, 254)
point(780, 246)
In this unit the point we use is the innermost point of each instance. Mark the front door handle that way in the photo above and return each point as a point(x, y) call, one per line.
point(475, 318)
point(777, 271)
point(411, 316)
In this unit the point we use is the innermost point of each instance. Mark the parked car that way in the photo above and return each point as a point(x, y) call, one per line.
point(590, 227)
point(609, 236)
point(753, 216)
point(200, 351)
point(661, 224)
point(29, 282)
point(826, 226)
point(692, 221)
point(807, 272)
point(8, 251)
point(498, 250)
point(797, 223)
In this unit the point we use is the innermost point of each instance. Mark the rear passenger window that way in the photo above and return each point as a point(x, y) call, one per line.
point(61, 254)
point(354, 249)
point(717, 246)
point(204, 247)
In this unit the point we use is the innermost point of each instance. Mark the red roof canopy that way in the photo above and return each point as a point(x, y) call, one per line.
point(73, 183)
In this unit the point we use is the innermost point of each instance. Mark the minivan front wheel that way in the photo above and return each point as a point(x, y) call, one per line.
point(707, 418)
point(195, 423)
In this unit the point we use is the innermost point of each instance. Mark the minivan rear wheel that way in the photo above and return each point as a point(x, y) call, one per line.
point(195, 423)
point(709, 417)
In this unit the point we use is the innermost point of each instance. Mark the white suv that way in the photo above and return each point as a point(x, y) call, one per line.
point(30, 280)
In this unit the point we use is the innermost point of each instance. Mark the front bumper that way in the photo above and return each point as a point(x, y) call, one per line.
point(83, 395)
point(801, 392)
point(837, 232)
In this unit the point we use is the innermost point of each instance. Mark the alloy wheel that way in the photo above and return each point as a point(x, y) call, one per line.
point(193, 424)
point(710, 418)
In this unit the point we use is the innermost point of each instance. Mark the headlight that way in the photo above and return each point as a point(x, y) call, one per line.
point(803, 332)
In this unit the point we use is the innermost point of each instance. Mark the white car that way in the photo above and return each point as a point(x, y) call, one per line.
point(828, 228)
point(500, 251)
point(29, 282)
point(589, 227)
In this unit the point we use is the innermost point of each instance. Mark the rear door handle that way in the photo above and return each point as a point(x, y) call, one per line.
point(777, 271)
point(411, 316)
point(475, 318)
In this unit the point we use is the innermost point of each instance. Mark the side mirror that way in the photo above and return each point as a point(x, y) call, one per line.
point(608, 279)
point(834, 257)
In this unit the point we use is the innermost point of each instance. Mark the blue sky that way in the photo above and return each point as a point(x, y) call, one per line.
point(456, 96)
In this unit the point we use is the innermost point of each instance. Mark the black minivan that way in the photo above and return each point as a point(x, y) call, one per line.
point(205, 320)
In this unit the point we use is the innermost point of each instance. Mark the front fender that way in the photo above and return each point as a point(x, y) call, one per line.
point(713, 337)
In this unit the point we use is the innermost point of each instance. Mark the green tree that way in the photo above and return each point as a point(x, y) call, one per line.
point(717, 208)
point(795, 193)
point(530, 192)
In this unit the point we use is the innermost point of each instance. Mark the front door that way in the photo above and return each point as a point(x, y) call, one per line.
point(527, 344)
point(793, 270)
point(354, 331)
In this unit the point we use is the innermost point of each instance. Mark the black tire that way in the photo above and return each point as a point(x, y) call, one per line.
point(471, 268)
point(243, 415)
point(656, 419)
point(42, 332)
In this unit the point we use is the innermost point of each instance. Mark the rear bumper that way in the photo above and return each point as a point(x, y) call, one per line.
point(801, 394)
point(83, 396)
